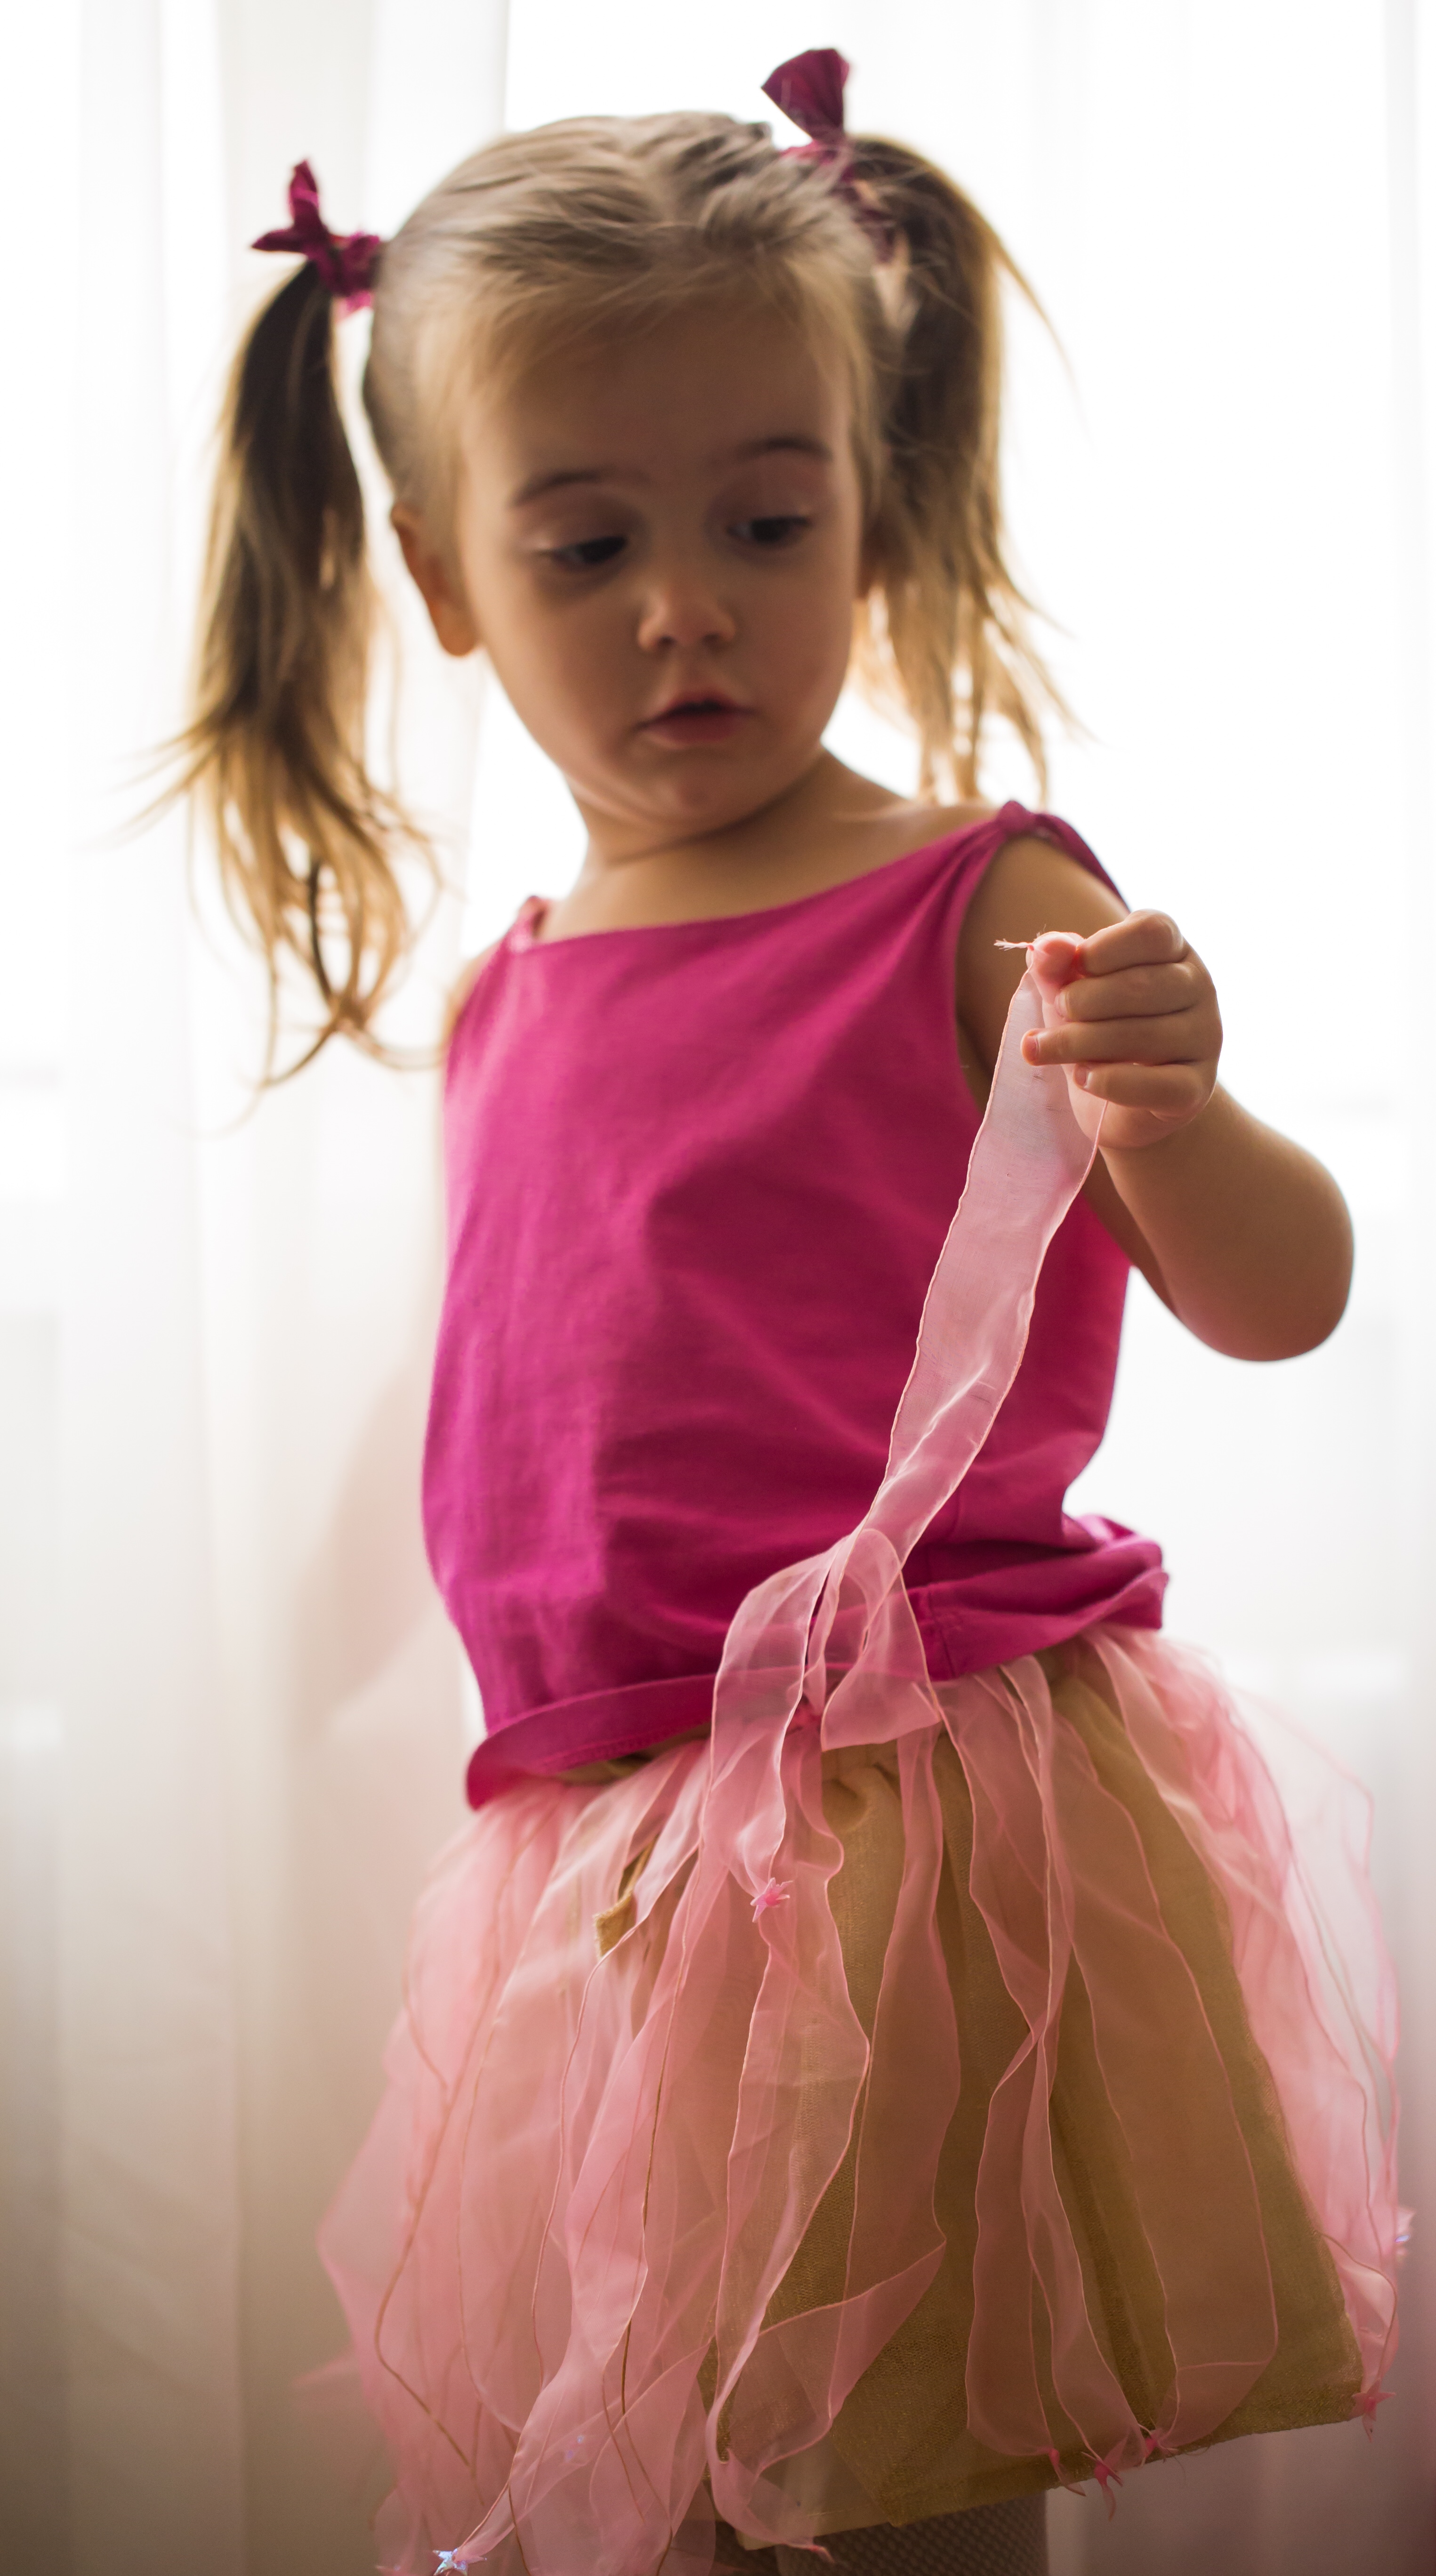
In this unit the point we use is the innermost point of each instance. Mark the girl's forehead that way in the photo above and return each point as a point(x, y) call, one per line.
point(691, 389)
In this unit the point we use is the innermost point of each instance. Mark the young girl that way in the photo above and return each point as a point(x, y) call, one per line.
point(878, 2049)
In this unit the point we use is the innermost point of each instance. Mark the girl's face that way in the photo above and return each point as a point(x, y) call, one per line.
point(660, 542)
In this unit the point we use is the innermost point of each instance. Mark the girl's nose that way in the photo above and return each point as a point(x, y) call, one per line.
point(682, 609)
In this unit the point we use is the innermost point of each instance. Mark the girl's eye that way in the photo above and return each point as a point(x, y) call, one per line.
point(771, 532)
point(587, 554)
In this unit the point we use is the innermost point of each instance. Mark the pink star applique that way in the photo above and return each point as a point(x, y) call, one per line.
point(1105, 2473)
point(1367, 2404)
point(775, 1893)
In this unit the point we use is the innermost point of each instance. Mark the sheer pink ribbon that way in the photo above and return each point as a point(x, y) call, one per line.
point(834, 1644)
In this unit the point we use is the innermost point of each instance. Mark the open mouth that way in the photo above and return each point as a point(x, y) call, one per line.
point(699, 719)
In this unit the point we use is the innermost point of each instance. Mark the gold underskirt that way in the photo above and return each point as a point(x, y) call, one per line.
point(900, 2449)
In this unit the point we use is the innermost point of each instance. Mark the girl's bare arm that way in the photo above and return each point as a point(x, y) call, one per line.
point(1244, 1235)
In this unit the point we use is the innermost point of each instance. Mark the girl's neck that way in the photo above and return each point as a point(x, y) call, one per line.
point(829, 826)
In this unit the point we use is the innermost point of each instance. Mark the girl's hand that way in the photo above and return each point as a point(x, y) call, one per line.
point(1242, 1234)
point(1131, 1013)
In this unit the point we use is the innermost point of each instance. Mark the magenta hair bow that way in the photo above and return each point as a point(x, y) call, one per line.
point(345, 261)
point(809, 90)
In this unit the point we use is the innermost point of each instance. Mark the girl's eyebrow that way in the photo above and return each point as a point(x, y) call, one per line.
point(786, 442)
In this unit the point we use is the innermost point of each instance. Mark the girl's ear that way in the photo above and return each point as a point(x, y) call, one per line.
point(449, 611)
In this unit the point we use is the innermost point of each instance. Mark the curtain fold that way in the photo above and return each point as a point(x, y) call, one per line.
point(232, 1721)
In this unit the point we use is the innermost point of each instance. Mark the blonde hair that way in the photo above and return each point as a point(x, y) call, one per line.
point(596, 222)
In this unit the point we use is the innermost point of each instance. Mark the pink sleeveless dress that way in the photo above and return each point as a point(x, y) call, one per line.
point(894, 2036)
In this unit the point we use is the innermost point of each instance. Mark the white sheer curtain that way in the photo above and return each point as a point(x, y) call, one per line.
point(231, 1720)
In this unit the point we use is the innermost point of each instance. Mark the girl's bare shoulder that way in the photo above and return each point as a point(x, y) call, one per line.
point(1030, 887)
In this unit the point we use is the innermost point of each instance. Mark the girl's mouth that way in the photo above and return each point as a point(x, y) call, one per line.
point(696, 720)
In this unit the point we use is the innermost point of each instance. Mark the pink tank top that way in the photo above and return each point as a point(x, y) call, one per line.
point(698, 1177)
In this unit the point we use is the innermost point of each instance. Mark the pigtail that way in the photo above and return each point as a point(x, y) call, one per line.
point(274, 751)
point(951, 623)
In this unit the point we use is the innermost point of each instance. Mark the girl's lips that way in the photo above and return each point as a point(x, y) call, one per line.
point(682, 726)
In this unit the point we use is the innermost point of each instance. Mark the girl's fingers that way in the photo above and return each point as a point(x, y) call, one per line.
point(1183, 1037)
point(1133, 992)
point(1134, 1021)
point(1172, 1090)
point(1141, 939)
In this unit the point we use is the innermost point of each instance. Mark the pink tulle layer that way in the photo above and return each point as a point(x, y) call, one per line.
point(912, 2095)
point(564, 2246)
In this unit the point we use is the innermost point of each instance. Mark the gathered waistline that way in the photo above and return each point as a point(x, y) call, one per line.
point(604, 1726)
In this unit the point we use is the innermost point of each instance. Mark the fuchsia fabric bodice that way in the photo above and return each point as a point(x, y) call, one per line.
point(698, 1177)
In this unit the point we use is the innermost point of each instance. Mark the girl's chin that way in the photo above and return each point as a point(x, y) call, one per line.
point(730, 777)
point(710, 792)
point(716, 806)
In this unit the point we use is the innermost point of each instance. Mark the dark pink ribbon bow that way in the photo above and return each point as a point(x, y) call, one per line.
point(345, 261)
point(809, 90)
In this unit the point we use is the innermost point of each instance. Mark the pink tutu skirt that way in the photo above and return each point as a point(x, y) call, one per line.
point(913, 2095)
